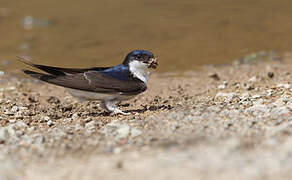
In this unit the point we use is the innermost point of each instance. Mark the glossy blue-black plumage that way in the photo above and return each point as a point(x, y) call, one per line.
point(139, 55)
point(120, 72)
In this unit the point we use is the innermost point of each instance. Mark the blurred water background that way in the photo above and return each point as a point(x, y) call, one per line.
point(182, 34)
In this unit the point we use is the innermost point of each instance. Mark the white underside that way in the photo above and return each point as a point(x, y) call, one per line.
point(87, 96)
point(107, 100)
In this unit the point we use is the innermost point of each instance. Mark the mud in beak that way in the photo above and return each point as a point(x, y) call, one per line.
point(153, 63)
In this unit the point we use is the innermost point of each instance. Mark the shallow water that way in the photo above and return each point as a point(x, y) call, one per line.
point(183, 34)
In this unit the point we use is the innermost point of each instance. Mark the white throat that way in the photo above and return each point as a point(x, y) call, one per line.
point(139, 70)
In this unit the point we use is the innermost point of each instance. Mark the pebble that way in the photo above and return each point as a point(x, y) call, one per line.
point(270, 92)
point(11, 88)
point(12, 120)
point(215, 76)
point(270, 74)
point(20, 125)
point(223, 85)
point(244, 96)
point(50, 123)
point(249, 87)
point(123, 131)
point(258, 102)
point(135, 132)
point(90, 126)
point(253, 79)
point(14, 109)
point(75, 116)
point(47, 118)
point(256, 96)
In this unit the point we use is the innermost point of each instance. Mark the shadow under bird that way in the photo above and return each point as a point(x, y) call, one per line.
point(106, 84)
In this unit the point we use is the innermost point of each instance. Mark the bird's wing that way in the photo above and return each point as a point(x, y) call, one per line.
point(93, 81)
point(57, 70)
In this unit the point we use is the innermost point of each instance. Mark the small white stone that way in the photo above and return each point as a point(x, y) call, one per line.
point(244, 96)
point(117, 150)
point(10, 88)
point(14, 109)
point(75, 116)
point(135, 132)
point(223, 86)
point(47, 118)
point(91, 125)
point(50, 123)
point(12, 120)
point(123, 131)
point(78, 127)
point(20, 125)
point(270, 92)
point(256, 96)
point(253, 79)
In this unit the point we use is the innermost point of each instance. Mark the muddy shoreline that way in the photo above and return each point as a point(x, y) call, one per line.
point(217, 122)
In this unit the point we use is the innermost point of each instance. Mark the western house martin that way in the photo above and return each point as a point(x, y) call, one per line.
point(106, 84)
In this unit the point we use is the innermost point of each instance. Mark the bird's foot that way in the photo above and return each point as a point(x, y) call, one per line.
point(110, 106)
point(118, 111)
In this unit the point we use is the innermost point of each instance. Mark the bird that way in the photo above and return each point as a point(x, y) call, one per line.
point(108, 85)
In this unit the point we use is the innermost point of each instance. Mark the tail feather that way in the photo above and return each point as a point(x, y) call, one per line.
point(51, 70)
point(57, 71)
point(25, 60)
point(40, 76)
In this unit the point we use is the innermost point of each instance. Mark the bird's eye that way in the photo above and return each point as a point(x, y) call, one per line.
point(138, 56)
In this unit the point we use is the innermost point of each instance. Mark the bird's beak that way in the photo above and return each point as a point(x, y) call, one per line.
point(153, 63)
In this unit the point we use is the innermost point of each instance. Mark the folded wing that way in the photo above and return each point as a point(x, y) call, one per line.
point(93, 81)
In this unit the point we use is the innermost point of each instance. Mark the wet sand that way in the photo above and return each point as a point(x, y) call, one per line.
point(219, 122)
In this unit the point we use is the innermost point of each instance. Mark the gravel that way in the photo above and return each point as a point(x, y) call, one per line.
point(236, 126)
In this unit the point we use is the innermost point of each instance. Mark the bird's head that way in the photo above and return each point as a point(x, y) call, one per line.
point(140, 62)
point(141, 59)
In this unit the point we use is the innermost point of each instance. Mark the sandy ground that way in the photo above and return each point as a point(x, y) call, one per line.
point(218, 122)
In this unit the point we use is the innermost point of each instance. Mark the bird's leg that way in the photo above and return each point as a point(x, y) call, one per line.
point(110, 106)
